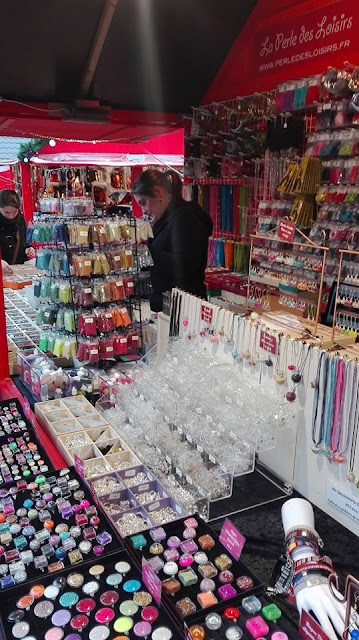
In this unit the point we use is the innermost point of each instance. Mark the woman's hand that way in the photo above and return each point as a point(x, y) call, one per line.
point(6, 269)
point(30, 253)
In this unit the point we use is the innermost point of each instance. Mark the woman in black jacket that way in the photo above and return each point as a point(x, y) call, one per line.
point(181, 231)
point(12, 232)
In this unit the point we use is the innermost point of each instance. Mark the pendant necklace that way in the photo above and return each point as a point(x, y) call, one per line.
point(348, 413)
point(339, 399)
point(318, 404)
point(281, 364)
point(329, 406)
point(246, 354)
point(237, 323)
point(291, 395)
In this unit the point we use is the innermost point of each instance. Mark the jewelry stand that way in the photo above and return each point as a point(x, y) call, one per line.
point(308, 243)
point(343, 339)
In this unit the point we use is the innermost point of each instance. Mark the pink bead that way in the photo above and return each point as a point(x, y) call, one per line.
point(84, 504)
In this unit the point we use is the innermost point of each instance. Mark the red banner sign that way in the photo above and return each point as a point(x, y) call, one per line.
point(286, 230)
point(331, 29)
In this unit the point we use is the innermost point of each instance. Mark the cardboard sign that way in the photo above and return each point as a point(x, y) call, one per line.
point(232, 539)
point(286, 230)
point(79, 466)
point(207, 313)
point(310, 629)
point(151, 581)
point(268, 342)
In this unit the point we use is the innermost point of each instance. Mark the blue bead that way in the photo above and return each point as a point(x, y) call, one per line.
point(28, 503)
point(354, 634)
point(60, 553)
point(131, 586)
point(64, 535)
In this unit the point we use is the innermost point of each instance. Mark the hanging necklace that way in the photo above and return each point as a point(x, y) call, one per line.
point(329, 406)
point(246, 353)
point(350, 402)
point(237, 323)
point(319, 395)
point(297, 375)
point(339, 398)
point(351, 475)
point(291, 395)
point(254, 344)
point(281, 364)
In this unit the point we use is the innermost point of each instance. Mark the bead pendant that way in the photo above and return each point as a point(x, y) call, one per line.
point(340, 458)
point(291, 396)
point(350, 476)
point(296, 378)
point(316, 449)
point(279, 378)
point(291, 367)
point(269, 362)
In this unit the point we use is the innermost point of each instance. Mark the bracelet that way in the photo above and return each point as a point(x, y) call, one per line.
point(310, 582)
point(319, 567)
point(304, 561)
point(302, 543)
point(297, 578)
point(302, 531)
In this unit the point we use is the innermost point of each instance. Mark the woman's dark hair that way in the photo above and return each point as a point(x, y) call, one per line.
point(169, 180)
point(9, 198)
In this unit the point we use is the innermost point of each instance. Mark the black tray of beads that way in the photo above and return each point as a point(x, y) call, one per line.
point(21, 454)
point(196, 570)
point(47, 525)
point(97, 600)
point(246, 617)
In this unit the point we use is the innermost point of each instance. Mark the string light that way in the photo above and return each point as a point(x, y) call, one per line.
point(52, 142)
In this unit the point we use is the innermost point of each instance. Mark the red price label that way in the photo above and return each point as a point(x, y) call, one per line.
point(310, 629)
point(286, 230)
point(207, 313)
point(79, 466)
point(268, 342)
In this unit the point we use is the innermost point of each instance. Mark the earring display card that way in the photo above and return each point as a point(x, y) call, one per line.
point(196, 570)
point(95, 601)
point(48, 525)
point(250, 617)
point(21, 455)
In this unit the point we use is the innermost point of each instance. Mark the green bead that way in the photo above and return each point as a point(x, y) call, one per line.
point(138, 541)
point(40, 479)
point(26, 473)
point(271, 612)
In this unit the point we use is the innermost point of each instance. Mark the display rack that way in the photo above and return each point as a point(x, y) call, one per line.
point(345, 305)
point(269, 300)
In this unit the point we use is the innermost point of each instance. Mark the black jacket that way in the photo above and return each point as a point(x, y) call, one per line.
point(8, 235)
point(179, 251)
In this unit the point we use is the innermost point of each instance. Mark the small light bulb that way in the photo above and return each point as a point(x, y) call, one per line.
point(52, 142)
point(26, 159)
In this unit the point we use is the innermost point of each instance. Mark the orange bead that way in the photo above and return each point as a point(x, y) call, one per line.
point(49, 524)
point(37, 591)
point(2, 518)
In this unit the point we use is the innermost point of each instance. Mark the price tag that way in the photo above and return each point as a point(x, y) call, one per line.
point(228, 400)
point(286, 230)
point(168, 459)
point(212, 458)
point(199, 448)
point(79, 466)
point(310, 629)
point(151, 581)
point(268, 342)
point(189, 479)
point(179, 472)
point(232, 539)
point(233, 435)
point(189, 438)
